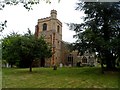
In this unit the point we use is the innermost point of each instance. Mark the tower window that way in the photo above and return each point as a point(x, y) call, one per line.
point(44, 26)
point(58, 43)
point(58, 28)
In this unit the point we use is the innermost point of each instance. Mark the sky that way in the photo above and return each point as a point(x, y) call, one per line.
point(20, 19)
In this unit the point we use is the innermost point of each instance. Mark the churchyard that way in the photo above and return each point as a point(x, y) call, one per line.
point(65, 77)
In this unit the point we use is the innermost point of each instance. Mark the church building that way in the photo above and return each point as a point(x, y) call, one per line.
point(51, 29)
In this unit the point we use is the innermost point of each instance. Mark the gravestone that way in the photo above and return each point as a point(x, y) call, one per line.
point(61, 65)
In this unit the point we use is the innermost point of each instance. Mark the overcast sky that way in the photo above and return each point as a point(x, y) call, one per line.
point(19, 19)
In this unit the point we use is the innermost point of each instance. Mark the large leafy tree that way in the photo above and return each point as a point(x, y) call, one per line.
point(100, 31)
point(25, 49)
point(33, 48)
point(9, 47)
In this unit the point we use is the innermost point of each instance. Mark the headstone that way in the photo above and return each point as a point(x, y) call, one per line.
point(70, 65)
point(7, 65)
point(61, 65)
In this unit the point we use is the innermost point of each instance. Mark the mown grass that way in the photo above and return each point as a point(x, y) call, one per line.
point(84, 77)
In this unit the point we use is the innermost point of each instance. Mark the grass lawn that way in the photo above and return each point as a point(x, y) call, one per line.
point(83, 77)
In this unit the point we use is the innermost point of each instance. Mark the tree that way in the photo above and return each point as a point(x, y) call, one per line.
point(34, 48)
point(100, 31)
point(26, 3)
point(25, 48)
point(9, 48)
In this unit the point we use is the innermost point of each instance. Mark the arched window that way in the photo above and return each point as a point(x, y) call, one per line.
point(44, 26)
point(58, 28)
point(70, 59)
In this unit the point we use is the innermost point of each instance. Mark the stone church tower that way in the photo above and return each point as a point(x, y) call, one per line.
point(51, 29)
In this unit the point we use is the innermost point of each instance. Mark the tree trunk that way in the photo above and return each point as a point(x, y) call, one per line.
point(102, 67)
point(31, 66)
point(110, 62)
point(11, 65)
point(113, 62)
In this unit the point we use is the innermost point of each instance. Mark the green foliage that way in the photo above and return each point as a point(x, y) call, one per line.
point(100, 31)
point(24, 49)
point(9, 48)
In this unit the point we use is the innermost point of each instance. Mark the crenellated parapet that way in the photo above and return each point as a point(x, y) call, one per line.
point(44, 19)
